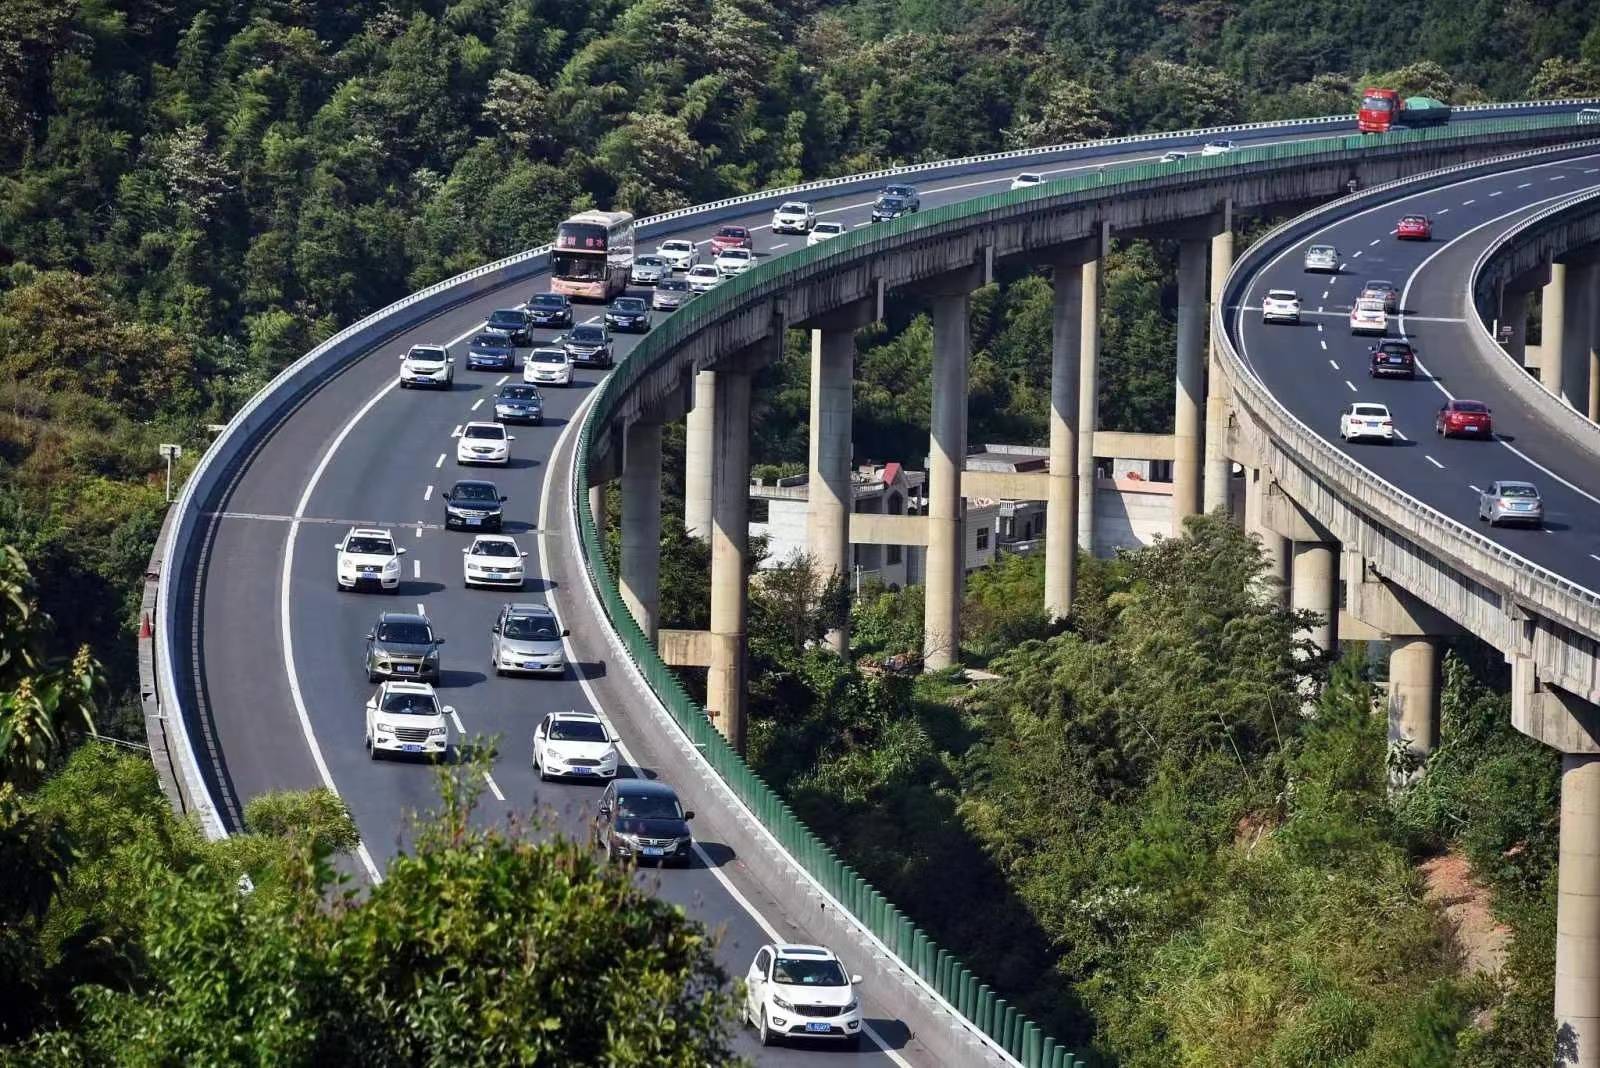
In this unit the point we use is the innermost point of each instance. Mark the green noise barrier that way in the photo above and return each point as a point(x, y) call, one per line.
point(984, 1011)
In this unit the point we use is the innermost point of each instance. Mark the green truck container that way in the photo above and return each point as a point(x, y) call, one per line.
point(1424, 111)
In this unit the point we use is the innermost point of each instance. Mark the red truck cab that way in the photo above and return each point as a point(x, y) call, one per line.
point(1379, 109)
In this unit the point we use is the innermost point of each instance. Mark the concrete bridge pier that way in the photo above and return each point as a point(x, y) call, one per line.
point(641, 526)
point(597, 507)
point(1218, 465)
point(1314, 587)
point(1066, 421)
point(1275, 548)
point(697, 450)
point(1088, 395)
point(1514, 320)
point(1577, 1001)
point(1188, 446)
point(1577, 340)
point(730, 535)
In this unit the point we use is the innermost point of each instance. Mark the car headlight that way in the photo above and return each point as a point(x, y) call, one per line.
point(852, 1007)
point(386, 728)
point(436, 732)
point(392, 565)
point(782, 1004)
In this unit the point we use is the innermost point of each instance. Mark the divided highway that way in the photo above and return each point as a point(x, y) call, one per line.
point(1317, 369)
point(272, 653)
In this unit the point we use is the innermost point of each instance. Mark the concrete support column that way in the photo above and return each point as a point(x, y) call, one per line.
point(1315, 588)
point(1578, 914)
point(1553, 330)
point(697, 452)
point(830, 500)
point(947, 452)
point(1061, 507)
point(1275, 547)
point(641, 526)
point(1514, 314)
point(1187, 446)
point(730, 534)
point(1414, 692)
point(1088, 396)
point(1219, 469)
point(597, 508)
point(1578, 344)
point(1593, 408)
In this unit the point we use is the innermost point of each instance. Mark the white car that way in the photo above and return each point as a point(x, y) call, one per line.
point(1173, 157)
point(703, 277)
point(793, 217)
point(682, 254)
point(547, 366)
point(1026, 180)
point(797, 991)
point(484, 443)
point(1280, 306)
point(822, 231)
point(368, 558)
point(575, 745)
point(732, 261)
point(1365, 420)
point(405, 717)
point(1322, 258)
point(648, 270)
point(1217, 148)
point(492, 560)
point(427, 365)
point(1368, 317)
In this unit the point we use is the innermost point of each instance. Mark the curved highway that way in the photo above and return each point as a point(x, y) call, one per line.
point(274, 652)
point(1317, 369)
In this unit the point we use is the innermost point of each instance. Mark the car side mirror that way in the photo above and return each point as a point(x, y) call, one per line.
point(511, 437)
point(688, 815)
point(468, 549)
point(372, 635)
point(449, 359)
point(449, 710)
point(855, 980)
point(565, 633)
point(504, 498)
point(438, 641)
point(403, 355)
point(445, 496)
point(400, 552)
point(604, 810)
point(524, 553)
point(338, 546)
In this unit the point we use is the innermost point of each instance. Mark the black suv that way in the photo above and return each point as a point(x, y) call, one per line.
point(895, 201)
point(549, 309)
point(1393, 358)
point(512, 322)
point(402, 645)
point(641, 819)
point(473, 504)
point(588, 346)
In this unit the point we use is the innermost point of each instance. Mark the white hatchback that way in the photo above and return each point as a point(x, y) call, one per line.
point(547, 367)
point(1365, 421)
point(576, 745)
point(492, 560)
point(1026, 180)
point(681, 253)
point(484, 443)
point(823, 231)
point(703, 278)
point(798, 991)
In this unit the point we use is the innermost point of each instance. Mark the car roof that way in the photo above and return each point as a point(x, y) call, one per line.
point(560, 297)
point(575, 714)
point(1281, 293)
point(407, 686)
point(733, 230)
point(483, 422)
point(1456, 402)
point(487, 338)
point(645, 788)
point(530, 608)
point(1359, 405)
point(549, 350)
point(702, 268)
point(793, 204)
point(676, 242)
point(786, 949)
point(370, 532)
point(1032, 176)
point(1515, 482)
point(402, 617)
point(1321, 248)
point(505, 538)
point(473, 482)
point(830, 225)
point(735, 252)
point(507, 311)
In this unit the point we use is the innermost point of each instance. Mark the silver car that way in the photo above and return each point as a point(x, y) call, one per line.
point(1511, 502)
point(526, 639)
point(1322, 258)
point(670, 294)
point(648, 270)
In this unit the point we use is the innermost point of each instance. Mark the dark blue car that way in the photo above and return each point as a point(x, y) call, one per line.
point(629, 314)
point(491, 352)
point(519, 404)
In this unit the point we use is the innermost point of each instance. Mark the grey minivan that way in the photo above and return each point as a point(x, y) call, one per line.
point(526, 639)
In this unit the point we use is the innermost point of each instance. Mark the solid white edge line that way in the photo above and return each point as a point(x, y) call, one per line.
point(594, 702)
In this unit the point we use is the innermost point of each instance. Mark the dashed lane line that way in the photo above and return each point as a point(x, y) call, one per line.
point(477, 404)
point(1352, 386)
point(1333, 363)
point(427, 494)
point(439, 462)
point(1432, 461)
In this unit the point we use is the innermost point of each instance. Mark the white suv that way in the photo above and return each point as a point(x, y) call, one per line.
point(405, 717)
point(794, 217)
point(367, 558)
point(801, 992)
point(577, 745)
point(427, 365)
point(1280, 306)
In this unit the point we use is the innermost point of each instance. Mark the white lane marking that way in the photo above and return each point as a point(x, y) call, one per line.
point(591, 320)
point(1333, 363)
point(1464, 203)
point(1324, 343)
point(1524, 185)
point(1324, 295)
point(1432, 461)
point(622, 747)
point(780, 244)
point(1443, 211)
point(1319, 328)
point(1592, 556)
point(1473, 488)
point(1357, 253)
point(288, 631)
point(494, 787)
point(1557, 178)
point(502, 380)
point(1374, 241)
point(1497, 192)
point(455, 717)
point(439, 462)
point(419, 530)
point(1547, 530)
point(1401, 436)
point(1352, 386)
point(427, 494)
point(456, 433)
point(421, 610)
point(477, 404)
point(416, 566)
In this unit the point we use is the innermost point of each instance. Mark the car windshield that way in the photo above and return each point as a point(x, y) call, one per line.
point(370, 546)
point(1029, 178)
point(1513, 490)
point(1414, 219)
point(410, 704)
point(703, 271)
point(548, 356)
point(510, 318)
point(553, 301)
point(1320, 250)
point(793, 971)
point(1369, 307)
point(733, 231)
point(736, 254)
point(475, 491)
point(651, 261)
point(586, 333)
point(629, 304)
point(1281, 294)
point(1371, 410)
point(672, 285)
point(530, 629)
point(829, 228)
point(676, 246)
point(648, 807)
point(406, 632)
point(488, 341)
point(430, 355)
point(898, 191)
point(518, 393)
point(892, 203)
point(493, 548)
point(1376, 103)
point(792, 208)
point(576, 730)
point(1471, 406)
point(497, 433)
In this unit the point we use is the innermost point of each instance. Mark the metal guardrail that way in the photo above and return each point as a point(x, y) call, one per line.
point(952, 983)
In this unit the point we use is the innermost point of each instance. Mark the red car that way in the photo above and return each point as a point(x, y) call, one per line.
point(1468, 418)
point(1413, 228)
point(728, 237)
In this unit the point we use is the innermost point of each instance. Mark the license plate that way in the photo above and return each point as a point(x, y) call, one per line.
point(405, 669)
point(473, 521)
point(580, 771)
point(532, 665)
point(1469, 428)
point(651, 851)
point(820, 1028)
point(410, 747)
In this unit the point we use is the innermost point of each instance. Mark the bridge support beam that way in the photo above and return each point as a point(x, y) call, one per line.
point(730, 535)
point(1315, 588)
point(641, 526)
point(1577, 1008)
point(597, 508)
point(1088, 396)
point(947, 455)
point(1275, 549)
point(1061, 511)
point(697, 453)
point(1578, 338)
point(1514, 318)
point(1186, 422)
point(1414, 692)
point(1219, 466)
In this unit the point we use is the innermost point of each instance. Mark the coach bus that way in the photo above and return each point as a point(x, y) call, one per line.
point(593, 255)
